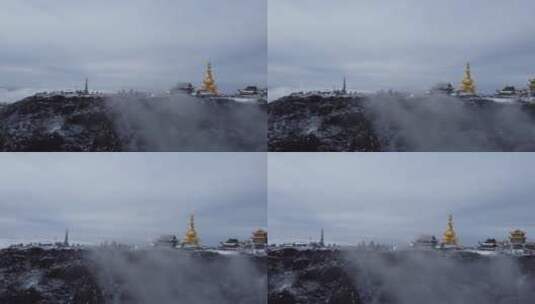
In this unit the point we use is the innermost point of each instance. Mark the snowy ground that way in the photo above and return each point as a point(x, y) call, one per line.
point(278, 92)
point(5, 242)
point(245, 99)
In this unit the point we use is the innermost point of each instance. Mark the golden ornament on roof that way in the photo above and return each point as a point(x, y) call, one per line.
point(467, 84)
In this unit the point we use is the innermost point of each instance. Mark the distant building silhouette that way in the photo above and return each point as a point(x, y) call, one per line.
point(66, 239)
point(86, 88)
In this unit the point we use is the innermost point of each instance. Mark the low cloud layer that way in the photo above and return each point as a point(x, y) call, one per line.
point(185, 123)
point(420, 278)
point(169, 276)
point(442, 123)
point(395, 197)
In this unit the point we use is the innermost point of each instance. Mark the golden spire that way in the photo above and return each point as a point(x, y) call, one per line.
point(191, 238)
point(450, 237)
point(467, 84)
point(208, 84)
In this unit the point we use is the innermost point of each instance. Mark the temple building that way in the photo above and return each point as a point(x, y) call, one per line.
point(532, 86)
point(517, 237)
point(166, 240)
point(209, 86)
point(449, 238)
point(468, 86)
point(425, 241)
point(231, 244)
point(182, 88)
point(488, 245)
point(249, 91)
point(507, 91)
point(259, 238)
point(445, 88)
point(191, 239)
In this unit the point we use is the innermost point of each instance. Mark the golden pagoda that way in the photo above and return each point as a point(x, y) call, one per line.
point(191, 239)
point(467, 84)
point(208, 84)
point(450, 237)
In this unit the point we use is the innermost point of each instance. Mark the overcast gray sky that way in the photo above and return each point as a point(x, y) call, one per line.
point(131, 43)
point(399, 44)
point(395, 197)
point(132, 197)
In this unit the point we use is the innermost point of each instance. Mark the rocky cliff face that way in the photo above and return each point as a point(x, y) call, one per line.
point(115, 275)
point(309, 277)
point(405, 277)
point(390, 122)
point(315, 123)
point(131, 123)
point(52, 276)
point(57, 123)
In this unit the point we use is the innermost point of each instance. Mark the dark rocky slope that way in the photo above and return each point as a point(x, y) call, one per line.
point(112, 275)
point(316, 123)
point(52, 276)
point(405, 277)
point(391, 122)
point(57, 123)
point(131, 123)
point(309, 277)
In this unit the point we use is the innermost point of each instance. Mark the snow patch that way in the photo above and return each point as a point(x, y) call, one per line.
point(31, 279)
point(502, 100)
point(55, 124)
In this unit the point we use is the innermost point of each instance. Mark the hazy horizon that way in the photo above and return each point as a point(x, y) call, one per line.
point(395, 197)
point(402, 45)
point(131, 198)
point(131, 44)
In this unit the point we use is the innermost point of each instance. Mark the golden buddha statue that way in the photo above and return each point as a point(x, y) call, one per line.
point(450, 237)
point(467, 84)
point(208, 84)
point(191, 239)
